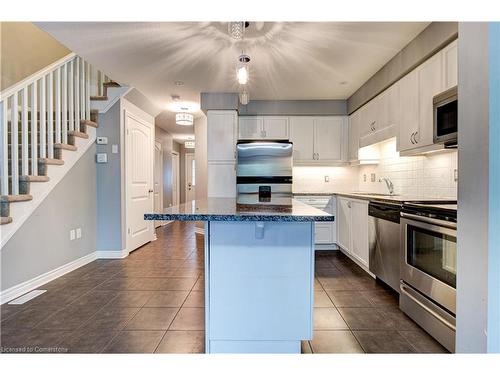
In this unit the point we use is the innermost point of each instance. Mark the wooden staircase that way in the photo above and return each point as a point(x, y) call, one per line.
point(40, 118)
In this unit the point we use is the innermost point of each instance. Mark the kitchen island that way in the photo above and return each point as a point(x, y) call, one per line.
point(259, 273)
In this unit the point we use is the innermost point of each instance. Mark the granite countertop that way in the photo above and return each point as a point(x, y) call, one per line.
point(226, 209)
point(386, 198)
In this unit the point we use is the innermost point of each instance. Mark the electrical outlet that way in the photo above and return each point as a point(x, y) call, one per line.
point(102, 158)
point(78, 232)
point(455, 175)
point(372, 177)
point(327, 178)
point(364, 177)
point(114, 149)
point(102, 140)
point(71, 234)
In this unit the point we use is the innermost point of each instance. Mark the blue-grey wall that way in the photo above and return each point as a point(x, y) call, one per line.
point(42, 243)
point(109, 198)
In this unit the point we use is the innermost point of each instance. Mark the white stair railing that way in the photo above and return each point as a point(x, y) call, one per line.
point(38, 112)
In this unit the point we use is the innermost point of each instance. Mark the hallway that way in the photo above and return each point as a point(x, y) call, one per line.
point(153, 302)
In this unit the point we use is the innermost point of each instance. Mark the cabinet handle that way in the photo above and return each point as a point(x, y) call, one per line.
point(411, 138)
point(415, 137)
point(317, 156)
point(349, 204)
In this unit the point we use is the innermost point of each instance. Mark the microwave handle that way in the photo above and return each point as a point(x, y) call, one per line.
point(404, 288)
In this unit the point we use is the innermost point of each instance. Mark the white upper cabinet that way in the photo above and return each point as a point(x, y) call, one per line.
point(450, 65)
point(408, 111)
point(319, 139)
point(328, 138)
point(263, 127)
point(354, 124)
point(276, 127)
point(302, 137)
point(250, 127)
point(393, 97)
point(221, 135)
point(430, 83)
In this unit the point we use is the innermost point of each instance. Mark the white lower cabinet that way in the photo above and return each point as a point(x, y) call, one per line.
point(352, 228)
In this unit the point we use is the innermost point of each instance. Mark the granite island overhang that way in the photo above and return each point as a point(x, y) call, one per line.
point(259, 273)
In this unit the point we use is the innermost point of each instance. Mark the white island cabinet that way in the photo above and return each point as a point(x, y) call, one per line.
point(259, 274)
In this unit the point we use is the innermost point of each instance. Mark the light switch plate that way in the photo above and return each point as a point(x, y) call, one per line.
point(102, 158)
point(364, 177)
point(72, 235)
point(78, 232)
point(327, 178)
point(372, 177)
point(102, 140)
point(114, 149)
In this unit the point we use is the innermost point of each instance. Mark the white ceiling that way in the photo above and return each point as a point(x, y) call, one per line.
point(289, 60)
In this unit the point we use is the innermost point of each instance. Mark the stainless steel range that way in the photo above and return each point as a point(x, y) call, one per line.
point(264, 173)
point(428, 268)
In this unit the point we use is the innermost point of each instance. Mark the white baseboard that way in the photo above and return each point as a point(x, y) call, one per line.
point(112, 254)
point(199, 230)
point(23, 288)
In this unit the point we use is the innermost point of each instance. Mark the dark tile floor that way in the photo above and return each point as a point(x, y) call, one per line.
point(153, 302)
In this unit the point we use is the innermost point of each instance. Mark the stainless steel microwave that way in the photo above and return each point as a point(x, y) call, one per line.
point(445, 107)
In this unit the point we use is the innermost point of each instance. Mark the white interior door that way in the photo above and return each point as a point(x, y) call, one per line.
point(158, 181)
point(139, 180)
point(176, 196)
point(190, 177)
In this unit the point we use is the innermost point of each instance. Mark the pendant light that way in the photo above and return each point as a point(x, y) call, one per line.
point(242, 69)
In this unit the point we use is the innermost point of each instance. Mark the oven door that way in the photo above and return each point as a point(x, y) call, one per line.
point(428, 261)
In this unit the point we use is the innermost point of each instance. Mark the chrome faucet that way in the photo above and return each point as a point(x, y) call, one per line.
point(389, 184)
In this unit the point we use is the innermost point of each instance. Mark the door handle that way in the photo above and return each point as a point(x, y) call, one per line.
point(150, 191)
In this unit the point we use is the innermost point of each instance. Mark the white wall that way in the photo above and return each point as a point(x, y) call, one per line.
point(430, 176)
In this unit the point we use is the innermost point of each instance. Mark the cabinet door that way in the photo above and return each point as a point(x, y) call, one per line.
point(381, 119)
point(367, 118)
point(221, 180)
point(354, 123)
point(450, 65)
point(328, 138)
point(323, 233)
point(302, 136)
point(359, 226)
point(250, 127)
point(393, 105)
point(343, 223)
point(408, 111)
point(275, 127)
point(430, 83)
point(221, 135)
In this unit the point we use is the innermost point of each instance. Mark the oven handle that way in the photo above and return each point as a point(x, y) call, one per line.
point(426, 308)
point(441, 223)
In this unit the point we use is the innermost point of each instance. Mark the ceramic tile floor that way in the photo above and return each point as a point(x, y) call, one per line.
point(153, 302)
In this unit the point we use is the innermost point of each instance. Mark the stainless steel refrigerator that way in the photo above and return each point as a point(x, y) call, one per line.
point(264, 173)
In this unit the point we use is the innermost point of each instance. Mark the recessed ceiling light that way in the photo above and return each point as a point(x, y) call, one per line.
point(179, 83)
point(343, 82)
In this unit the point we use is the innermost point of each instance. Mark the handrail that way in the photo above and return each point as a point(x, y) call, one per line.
point(36, 76)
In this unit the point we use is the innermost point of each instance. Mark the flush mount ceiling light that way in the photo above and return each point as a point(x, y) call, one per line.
point(184, 119)
point(242, 69)
point(237, 29)
point(189, 144)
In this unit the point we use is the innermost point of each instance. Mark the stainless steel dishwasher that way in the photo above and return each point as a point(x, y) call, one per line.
point(384, 242)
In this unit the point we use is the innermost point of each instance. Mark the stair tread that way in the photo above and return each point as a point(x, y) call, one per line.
point(65, 146)
point(42, 161)
point(111, 84)
point(99, 98)
point(16, 198)
point(78, 134)
point(32, 178)
point(89, 123)
point(5, 220)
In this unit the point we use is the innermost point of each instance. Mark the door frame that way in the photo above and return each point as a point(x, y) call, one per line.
point(178, 177)
point(158, 143)
point(187, 157)
point(128, 114)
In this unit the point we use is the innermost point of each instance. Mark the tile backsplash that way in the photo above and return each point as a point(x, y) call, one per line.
point(431, 176)
point(312, 179)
